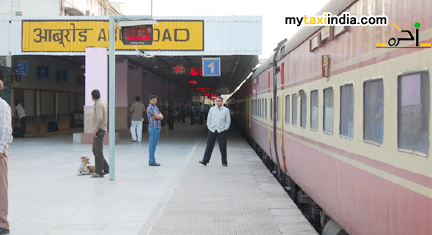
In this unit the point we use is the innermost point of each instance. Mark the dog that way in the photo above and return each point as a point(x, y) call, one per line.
point(83, 169)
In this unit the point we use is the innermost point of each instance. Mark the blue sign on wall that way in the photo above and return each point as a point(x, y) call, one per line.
point(211, 67)
point(21, 68)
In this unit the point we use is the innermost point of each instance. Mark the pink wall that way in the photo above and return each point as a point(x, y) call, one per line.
point(135, 80)
point(121, 84)
point(147, 87)
point(96, 73)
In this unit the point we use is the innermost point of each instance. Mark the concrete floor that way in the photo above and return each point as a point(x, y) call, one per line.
point(47, 197)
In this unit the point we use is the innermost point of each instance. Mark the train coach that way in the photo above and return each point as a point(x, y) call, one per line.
point(346, 122)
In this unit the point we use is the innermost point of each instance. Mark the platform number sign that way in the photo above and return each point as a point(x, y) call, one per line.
point(211, 67)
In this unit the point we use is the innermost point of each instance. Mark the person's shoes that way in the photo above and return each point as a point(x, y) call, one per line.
point(154, 164)
point(225, 165)
point(204, 163)
point(97, 176)
point(106, 172)
point(133, 140)
point(4, 231)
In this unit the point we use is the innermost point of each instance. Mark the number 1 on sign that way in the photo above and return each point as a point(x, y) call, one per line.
point(211, 65)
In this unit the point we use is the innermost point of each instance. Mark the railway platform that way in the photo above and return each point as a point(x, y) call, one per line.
point(180, 197)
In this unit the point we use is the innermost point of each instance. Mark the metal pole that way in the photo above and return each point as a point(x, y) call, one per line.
point(111, 91)
point(151, 9)
point(111, 84)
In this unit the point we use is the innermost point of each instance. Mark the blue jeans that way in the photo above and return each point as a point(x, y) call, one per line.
point(154, 137)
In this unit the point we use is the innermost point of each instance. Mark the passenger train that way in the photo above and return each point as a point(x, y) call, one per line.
point(346, 123)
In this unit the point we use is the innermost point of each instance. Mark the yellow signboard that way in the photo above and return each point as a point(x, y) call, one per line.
point(76, 35)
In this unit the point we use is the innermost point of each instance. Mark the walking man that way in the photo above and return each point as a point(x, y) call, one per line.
point(22, 116)
point(100, 117)
point(218, 122)
point(5, 139)
point(154, 118)
point(137, 110)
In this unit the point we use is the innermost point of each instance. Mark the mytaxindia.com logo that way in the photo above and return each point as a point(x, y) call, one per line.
point(345, 19)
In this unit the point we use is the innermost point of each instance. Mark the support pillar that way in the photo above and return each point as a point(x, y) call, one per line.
point(121, 102)
point(96, 77)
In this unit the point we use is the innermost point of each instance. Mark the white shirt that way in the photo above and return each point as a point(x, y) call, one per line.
point(5, 126)
point(218, 119)
point(20, 110)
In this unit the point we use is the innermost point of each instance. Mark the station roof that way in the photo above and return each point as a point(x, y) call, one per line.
point(236, 40)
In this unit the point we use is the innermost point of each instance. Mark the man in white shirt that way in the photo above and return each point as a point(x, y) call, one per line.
point(137, 110)
point(218, 122)
point(5, 139)
point(22, 116)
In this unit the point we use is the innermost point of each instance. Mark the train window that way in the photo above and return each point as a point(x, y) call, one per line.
point(278, 108)
point(262, 107)
point(287, 110)
point(328, 110)
point(259, 108)
point(303, 110)
point(294, 109)
point(271, 109)
point(347, 111)
point(314, 110)
point(253, 107)
point(413, 112)
point(266, 108)
point(373, 111)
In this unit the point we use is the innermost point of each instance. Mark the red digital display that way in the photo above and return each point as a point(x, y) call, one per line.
point(139, 35)
point(196, 72)
point(202, 89)
point(193, 82)
point(179, 69)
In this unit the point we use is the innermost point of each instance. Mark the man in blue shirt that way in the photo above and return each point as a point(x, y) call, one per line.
point(218, 122)
point(154, 118)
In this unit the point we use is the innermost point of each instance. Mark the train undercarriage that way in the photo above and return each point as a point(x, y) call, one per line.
point(322, 223)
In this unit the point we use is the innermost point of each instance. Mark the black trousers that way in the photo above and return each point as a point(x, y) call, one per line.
point(211, 140)
point(201, 118)
point(24, 124)
point(192, 119)
point(183, 116)
point(171, 123)
point(100, 162)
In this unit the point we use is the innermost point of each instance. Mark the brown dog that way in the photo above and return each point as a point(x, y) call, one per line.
point(84, 169)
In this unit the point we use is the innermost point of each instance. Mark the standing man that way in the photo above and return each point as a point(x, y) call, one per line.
point(22, 116)
point(154, 118)
point(218, 122)
point(5, 139)
point(100, 117)
point(183, 112)
point(137, 110)
point(171, 116)
point(201, 113)
point(192, 113)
